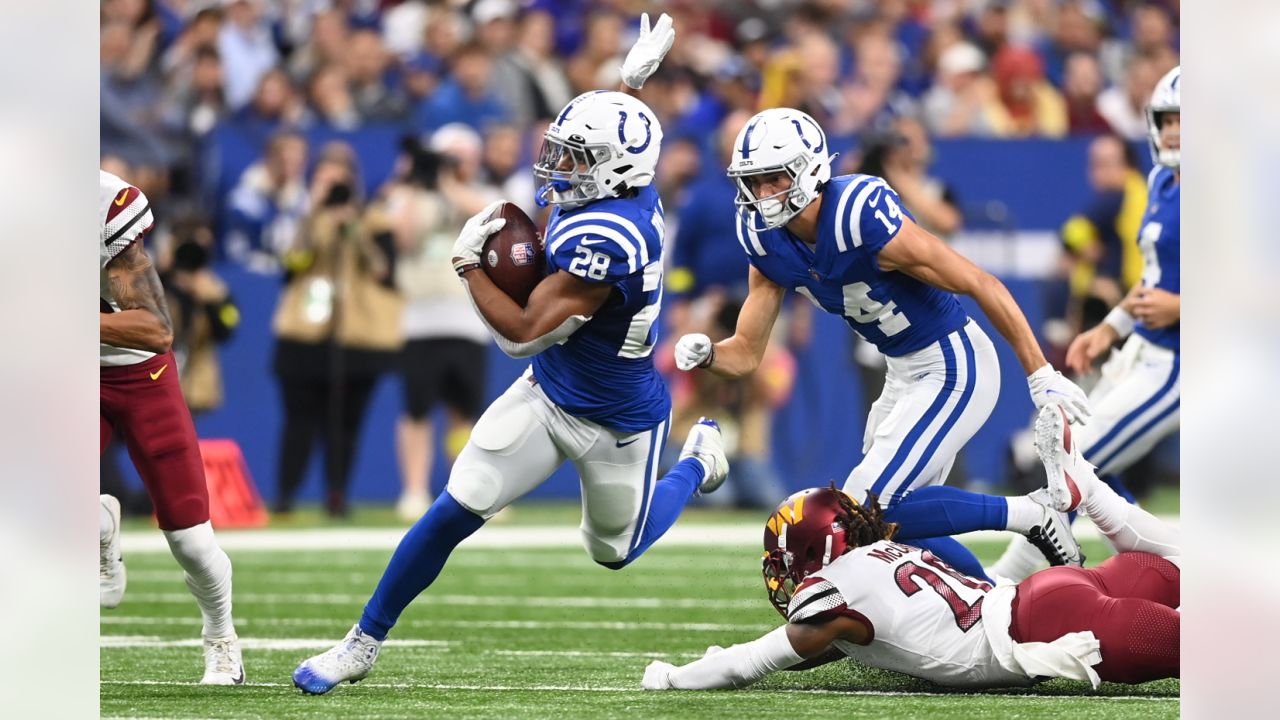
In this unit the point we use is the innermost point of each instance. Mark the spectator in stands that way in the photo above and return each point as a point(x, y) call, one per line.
point(366, 65)
point(1078, 30)
point(595, 65)
point(991, 26)
point(330, 99)
point(509, 81)
point(268, 204)
point(1125, 107)
point(874, 99)
point(274, 105)
point(200, 35)
point(1151, 30)
point(963, 100)
point(327, 44)
point(1103, 259)
point(446, 31)
point(1034, 108)
point(465, 96)
point(199, 104)
point(535, 53)
point(246, 48)
point(902, 156)
point(337, 328)
point(132, 98)
point(1081, 88)
point(507, 167)
point(444, 359)
point(204, 313)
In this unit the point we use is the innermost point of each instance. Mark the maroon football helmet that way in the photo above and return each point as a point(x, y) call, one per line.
point(803, 535)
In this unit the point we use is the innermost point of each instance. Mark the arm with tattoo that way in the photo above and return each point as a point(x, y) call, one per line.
point(143, 321)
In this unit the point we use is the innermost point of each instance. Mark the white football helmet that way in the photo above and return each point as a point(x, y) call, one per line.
point(780, 139)
point(1166, 98)
point(601, 143)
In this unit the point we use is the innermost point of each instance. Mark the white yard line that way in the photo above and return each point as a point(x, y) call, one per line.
point(504, 537)
point(568, 601)
point(636, 689)
point(194, 622)
point(248, 643)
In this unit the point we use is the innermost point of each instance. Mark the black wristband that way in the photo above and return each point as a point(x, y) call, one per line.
point(464, 269)
point(711, 357)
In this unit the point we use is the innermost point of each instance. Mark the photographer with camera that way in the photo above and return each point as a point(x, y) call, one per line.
point(337, 327)
point(444, 359)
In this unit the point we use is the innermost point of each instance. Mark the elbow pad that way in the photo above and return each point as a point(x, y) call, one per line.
point(533, 347)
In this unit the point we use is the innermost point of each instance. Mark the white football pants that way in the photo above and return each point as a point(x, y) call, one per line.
point(1135, 406)
point(523, 437)
point(934, 400)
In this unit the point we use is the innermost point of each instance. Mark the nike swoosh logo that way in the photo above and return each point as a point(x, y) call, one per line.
point(156, 375)
point(875, 199)
point(121, 197)
point(595, 241)
point(624, 444)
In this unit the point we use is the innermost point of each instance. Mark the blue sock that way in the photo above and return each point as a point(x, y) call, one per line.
point(1118, 485)
point(417, 561)
point(951, 552)
point(939, 510)
point(670, 495)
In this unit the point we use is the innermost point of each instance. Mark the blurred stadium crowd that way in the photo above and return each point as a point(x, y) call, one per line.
point(340, 144)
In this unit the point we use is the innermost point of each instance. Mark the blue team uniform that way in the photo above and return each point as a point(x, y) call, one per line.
point(1159, 240)
point(604, 372)
point(860, 214)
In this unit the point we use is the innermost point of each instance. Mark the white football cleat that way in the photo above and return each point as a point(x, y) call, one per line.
point(348, 661)
point(707, 445)
point(1052, 535)
point(1071, 478)
point(111, 574)
point(222, 663)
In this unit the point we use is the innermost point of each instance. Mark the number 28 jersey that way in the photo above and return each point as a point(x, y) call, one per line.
point(860, 214)
point(604, 372)
point(925, 617)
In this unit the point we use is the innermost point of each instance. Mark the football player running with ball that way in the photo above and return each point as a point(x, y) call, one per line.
point(849, 246)
point(591, 395)
point(1137, 400)
point(833, 569)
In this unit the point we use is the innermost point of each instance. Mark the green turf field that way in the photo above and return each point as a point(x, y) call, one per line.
point(520, 632)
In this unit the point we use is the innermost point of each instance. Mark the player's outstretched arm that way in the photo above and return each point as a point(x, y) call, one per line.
point(923, 256)
point(743, 664)
point(143, 321)
point(739, 355)
point(646, 55)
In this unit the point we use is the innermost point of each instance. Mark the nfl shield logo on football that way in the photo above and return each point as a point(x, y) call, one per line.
point(522, 253)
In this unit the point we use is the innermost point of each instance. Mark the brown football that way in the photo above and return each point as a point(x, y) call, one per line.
point(513, 257)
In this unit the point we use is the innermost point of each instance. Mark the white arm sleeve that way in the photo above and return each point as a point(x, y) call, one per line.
point(533, 347)
point(738, 665)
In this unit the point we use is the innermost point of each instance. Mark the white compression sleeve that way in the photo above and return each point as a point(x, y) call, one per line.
point(535, 346)
point(1129, 527)
point(208, 571)
point(739, 665)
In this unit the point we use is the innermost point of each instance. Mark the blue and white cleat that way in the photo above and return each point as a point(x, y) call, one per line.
point(707, 445)
point(348, 661)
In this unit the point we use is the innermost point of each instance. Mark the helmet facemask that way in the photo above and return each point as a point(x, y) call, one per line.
point(567, 171)
point(777, 209)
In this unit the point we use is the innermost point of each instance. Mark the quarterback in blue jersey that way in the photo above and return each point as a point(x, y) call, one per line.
point(1137, 399)
point(848, 245)
point(592, 395)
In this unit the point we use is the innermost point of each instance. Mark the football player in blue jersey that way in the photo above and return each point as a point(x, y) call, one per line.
point(1137, 398)
point(849, 246)
point(592, 394)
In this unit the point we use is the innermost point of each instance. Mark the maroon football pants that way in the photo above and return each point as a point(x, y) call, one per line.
point(144, 404)
point(1127, 602)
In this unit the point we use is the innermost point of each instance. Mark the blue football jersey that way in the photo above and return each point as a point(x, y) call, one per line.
point(604, 372)
point(860, 214)
point(1159, 239)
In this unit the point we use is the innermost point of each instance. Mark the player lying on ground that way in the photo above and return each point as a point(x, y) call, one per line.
point(849, 245)
point(140, 398)
point(1138, 398)
point(846, 589)
point(592, 395)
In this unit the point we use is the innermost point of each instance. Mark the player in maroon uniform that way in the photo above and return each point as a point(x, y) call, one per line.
point(141, 400)
point(847, 590)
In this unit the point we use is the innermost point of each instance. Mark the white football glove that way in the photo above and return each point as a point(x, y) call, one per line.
point(1050, 387)
point(647, 53)
point(694, 350)
point(657, 676)
point(466, 250)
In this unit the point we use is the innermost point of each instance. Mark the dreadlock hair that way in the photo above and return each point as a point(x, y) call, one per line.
point(863, 523)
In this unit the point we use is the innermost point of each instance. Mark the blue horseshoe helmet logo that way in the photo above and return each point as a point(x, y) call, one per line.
point(622, 136)
point(803, 139)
